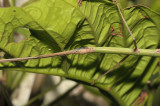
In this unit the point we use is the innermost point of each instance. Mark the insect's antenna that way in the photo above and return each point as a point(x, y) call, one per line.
point(110, 70)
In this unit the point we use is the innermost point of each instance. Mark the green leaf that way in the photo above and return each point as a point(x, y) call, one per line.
point(58, 25)
point(123, 3)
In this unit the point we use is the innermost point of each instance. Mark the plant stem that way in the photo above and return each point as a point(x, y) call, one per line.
point(128, 51)
point(108, 50)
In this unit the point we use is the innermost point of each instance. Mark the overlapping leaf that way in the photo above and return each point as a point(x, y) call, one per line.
point(58, 25)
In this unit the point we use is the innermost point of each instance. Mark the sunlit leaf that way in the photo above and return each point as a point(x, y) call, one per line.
point(59, 25)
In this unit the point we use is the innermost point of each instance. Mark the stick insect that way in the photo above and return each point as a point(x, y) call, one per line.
point(83, 51)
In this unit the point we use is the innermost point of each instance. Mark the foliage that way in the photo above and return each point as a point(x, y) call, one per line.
point(58, 25)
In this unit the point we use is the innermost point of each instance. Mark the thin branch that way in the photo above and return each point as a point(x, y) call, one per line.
point(114, 67)
point(134, 40)
point(108, 50)
point(127, 51)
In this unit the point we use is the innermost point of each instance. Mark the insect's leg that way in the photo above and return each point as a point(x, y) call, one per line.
point(110, 70)
point(134, 40)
